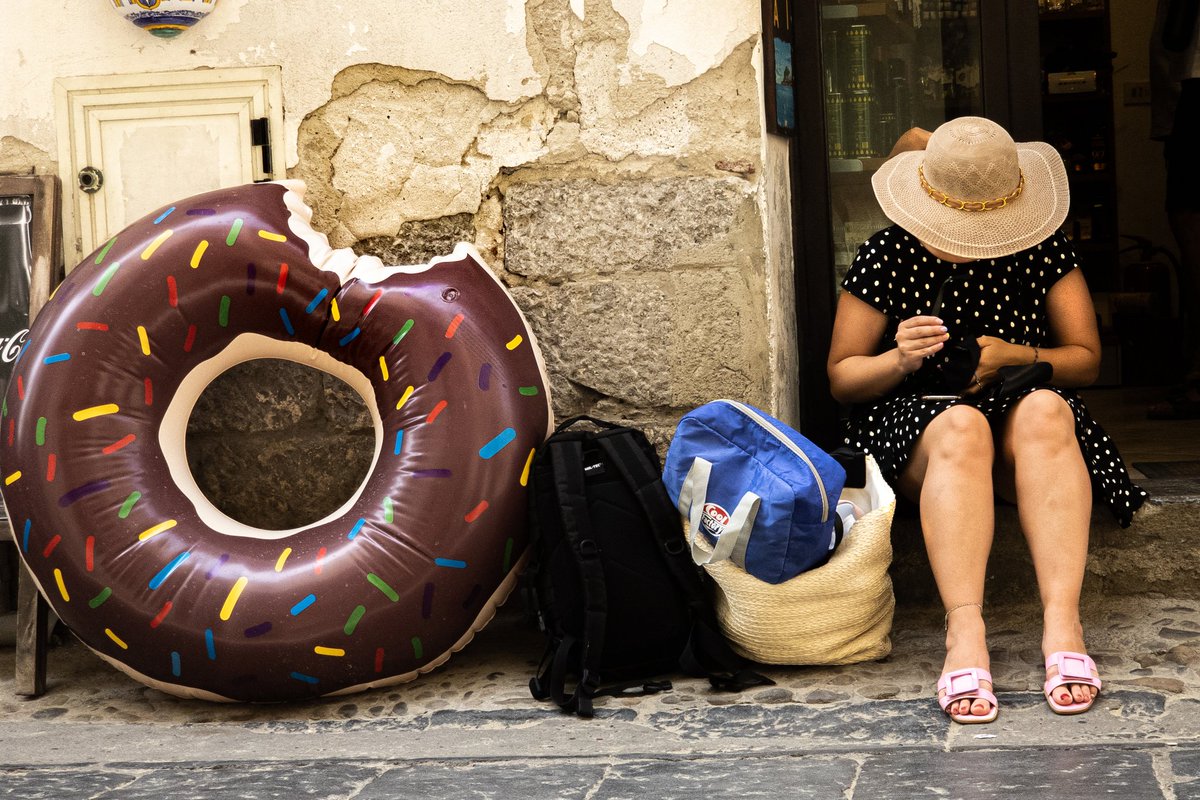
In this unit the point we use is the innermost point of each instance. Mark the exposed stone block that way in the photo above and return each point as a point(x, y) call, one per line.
point(648, 341)
point(568, 228)
point(1140, 560)
point(421, 241)
point(342, 407)
point(277, 444)
point(593, 334)
point(257, 396)
point(278, 481)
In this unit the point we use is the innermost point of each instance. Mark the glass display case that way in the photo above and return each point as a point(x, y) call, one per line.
point(889, 66)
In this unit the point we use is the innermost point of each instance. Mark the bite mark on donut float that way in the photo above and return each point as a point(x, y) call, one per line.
point(158, 581)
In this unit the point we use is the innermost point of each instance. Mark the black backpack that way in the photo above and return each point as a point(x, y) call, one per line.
point(610, 576)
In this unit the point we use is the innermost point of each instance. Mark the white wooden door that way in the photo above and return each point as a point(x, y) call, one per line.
point(129, 144)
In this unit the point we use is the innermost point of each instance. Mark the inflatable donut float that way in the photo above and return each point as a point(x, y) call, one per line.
point(154, 578)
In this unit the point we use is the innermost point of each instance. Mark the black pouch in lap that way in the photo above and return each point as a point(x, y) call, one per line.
point(951, 369)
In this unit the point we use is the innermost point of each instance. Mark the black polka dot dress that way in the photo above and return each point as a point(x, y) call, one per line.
point(1003, 297)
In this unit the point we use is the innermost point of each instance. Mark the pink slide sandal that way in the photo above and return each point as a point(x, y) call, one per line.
point(1072, 668)
point(965, 684)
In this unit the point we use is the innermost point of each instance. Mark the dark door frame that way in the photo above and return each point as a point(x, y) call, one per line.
point(1012, 97)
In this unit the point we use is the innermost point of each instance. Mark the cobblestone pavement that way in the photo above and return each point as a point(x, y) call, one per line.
point(471, 729)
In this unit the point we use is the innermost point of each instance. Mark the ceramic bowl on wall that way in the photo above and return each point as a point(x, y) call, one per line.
point(164, 18)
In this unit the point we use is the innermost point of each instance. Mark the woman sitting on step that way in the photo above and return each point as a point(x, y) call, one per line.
point(960, 335)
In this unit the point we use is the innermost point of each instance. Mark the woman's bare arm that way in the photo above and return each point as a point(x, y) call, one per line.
point(911, 139)
point(1074, 351)
point(857, 372)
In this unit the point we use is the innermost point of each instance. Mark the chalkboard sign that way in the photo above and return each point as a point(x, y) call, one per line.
point(30, 267)
point(30, 264)
point(16, 254)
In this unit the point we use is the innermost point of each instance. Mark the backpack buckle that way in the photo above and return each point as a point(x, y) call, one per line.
point(588, 548)
point(537, 689)
point(589, 684)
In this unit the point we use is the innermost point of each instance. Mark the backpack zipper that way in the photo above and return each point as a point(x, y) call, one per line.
point(795, 448)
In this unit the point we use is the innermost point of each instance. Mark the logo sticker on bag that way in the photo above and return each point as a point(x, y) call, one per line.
point(714, 520)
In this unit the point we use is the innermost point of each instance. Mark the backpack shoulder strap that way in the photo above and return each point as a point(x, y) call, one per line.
point(645, 481)
point(566, 458)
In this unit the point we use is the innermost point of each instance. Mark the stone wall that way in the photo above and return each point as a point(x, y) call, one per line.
point(621, 199)
point(645, 295)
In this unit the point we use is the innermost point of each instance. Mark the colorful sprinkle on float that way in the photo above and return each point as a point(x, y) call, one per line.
point(159, 582)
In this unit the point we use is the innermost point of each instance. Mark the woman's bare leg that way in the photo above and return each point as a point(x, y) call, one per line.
point(950, 475)
point(1041, 464)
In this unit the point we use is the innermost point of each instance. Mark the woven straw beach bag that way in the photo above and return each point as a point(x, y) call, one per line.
point(838, 613)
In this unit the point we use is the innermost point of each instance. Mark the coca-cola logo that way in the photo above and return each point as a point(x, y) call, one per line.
point(10, 347)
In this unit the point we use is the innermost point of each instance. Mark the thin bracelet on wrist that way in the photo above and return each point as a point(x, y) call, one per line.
point(1035, 354)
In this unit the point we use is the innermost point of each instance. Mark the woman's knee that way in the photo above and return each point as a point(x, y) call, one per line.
point(960, 434)
point(1042, 419)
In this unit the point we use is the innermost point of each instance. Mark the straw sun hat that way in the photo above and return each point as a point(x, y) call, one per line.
point(975, 193)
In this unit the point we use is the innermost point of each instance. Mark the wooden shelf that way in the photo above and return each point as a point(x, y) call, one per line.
point(855, 165)
point(1072, 15)
point(859, 10)
point(1076, 98)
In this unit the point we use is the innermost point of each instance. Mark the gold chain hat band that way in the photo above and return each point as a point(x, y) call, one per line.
point(971, 205)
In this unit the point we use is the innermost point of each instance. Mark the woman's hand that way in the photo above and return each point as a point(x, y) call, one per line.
point(993, 354)
point(1074, 347)
point(862, 365)
point(917, 338)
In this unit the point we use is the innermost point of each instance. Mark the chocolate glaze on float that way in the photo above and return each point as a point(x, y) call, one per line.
point(155, 579)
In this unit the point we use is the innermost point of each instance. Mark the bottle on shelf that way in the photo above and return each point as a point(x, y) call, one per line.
point(833, 55)
point(858, 58)
point(861, 124)
point(859, 103)
point(1099, 153)
point(1084, 228)
point(835, 115)
point(895, 115)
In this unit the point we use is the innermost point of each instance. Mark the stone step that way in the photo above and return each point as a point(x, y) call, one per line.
point(1154, 557)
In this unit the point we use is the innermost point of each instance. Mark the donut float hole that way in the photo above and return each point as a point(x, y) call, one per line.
point(278, 445)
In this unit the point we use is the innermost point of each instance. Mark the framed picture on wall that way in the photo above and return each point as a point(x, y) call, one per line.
point(777, 66)
point(30, 259)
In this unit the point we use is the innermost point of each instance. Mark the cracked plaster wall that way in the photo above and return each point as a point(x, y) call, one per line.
point(625, 204)
point(607, 156)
